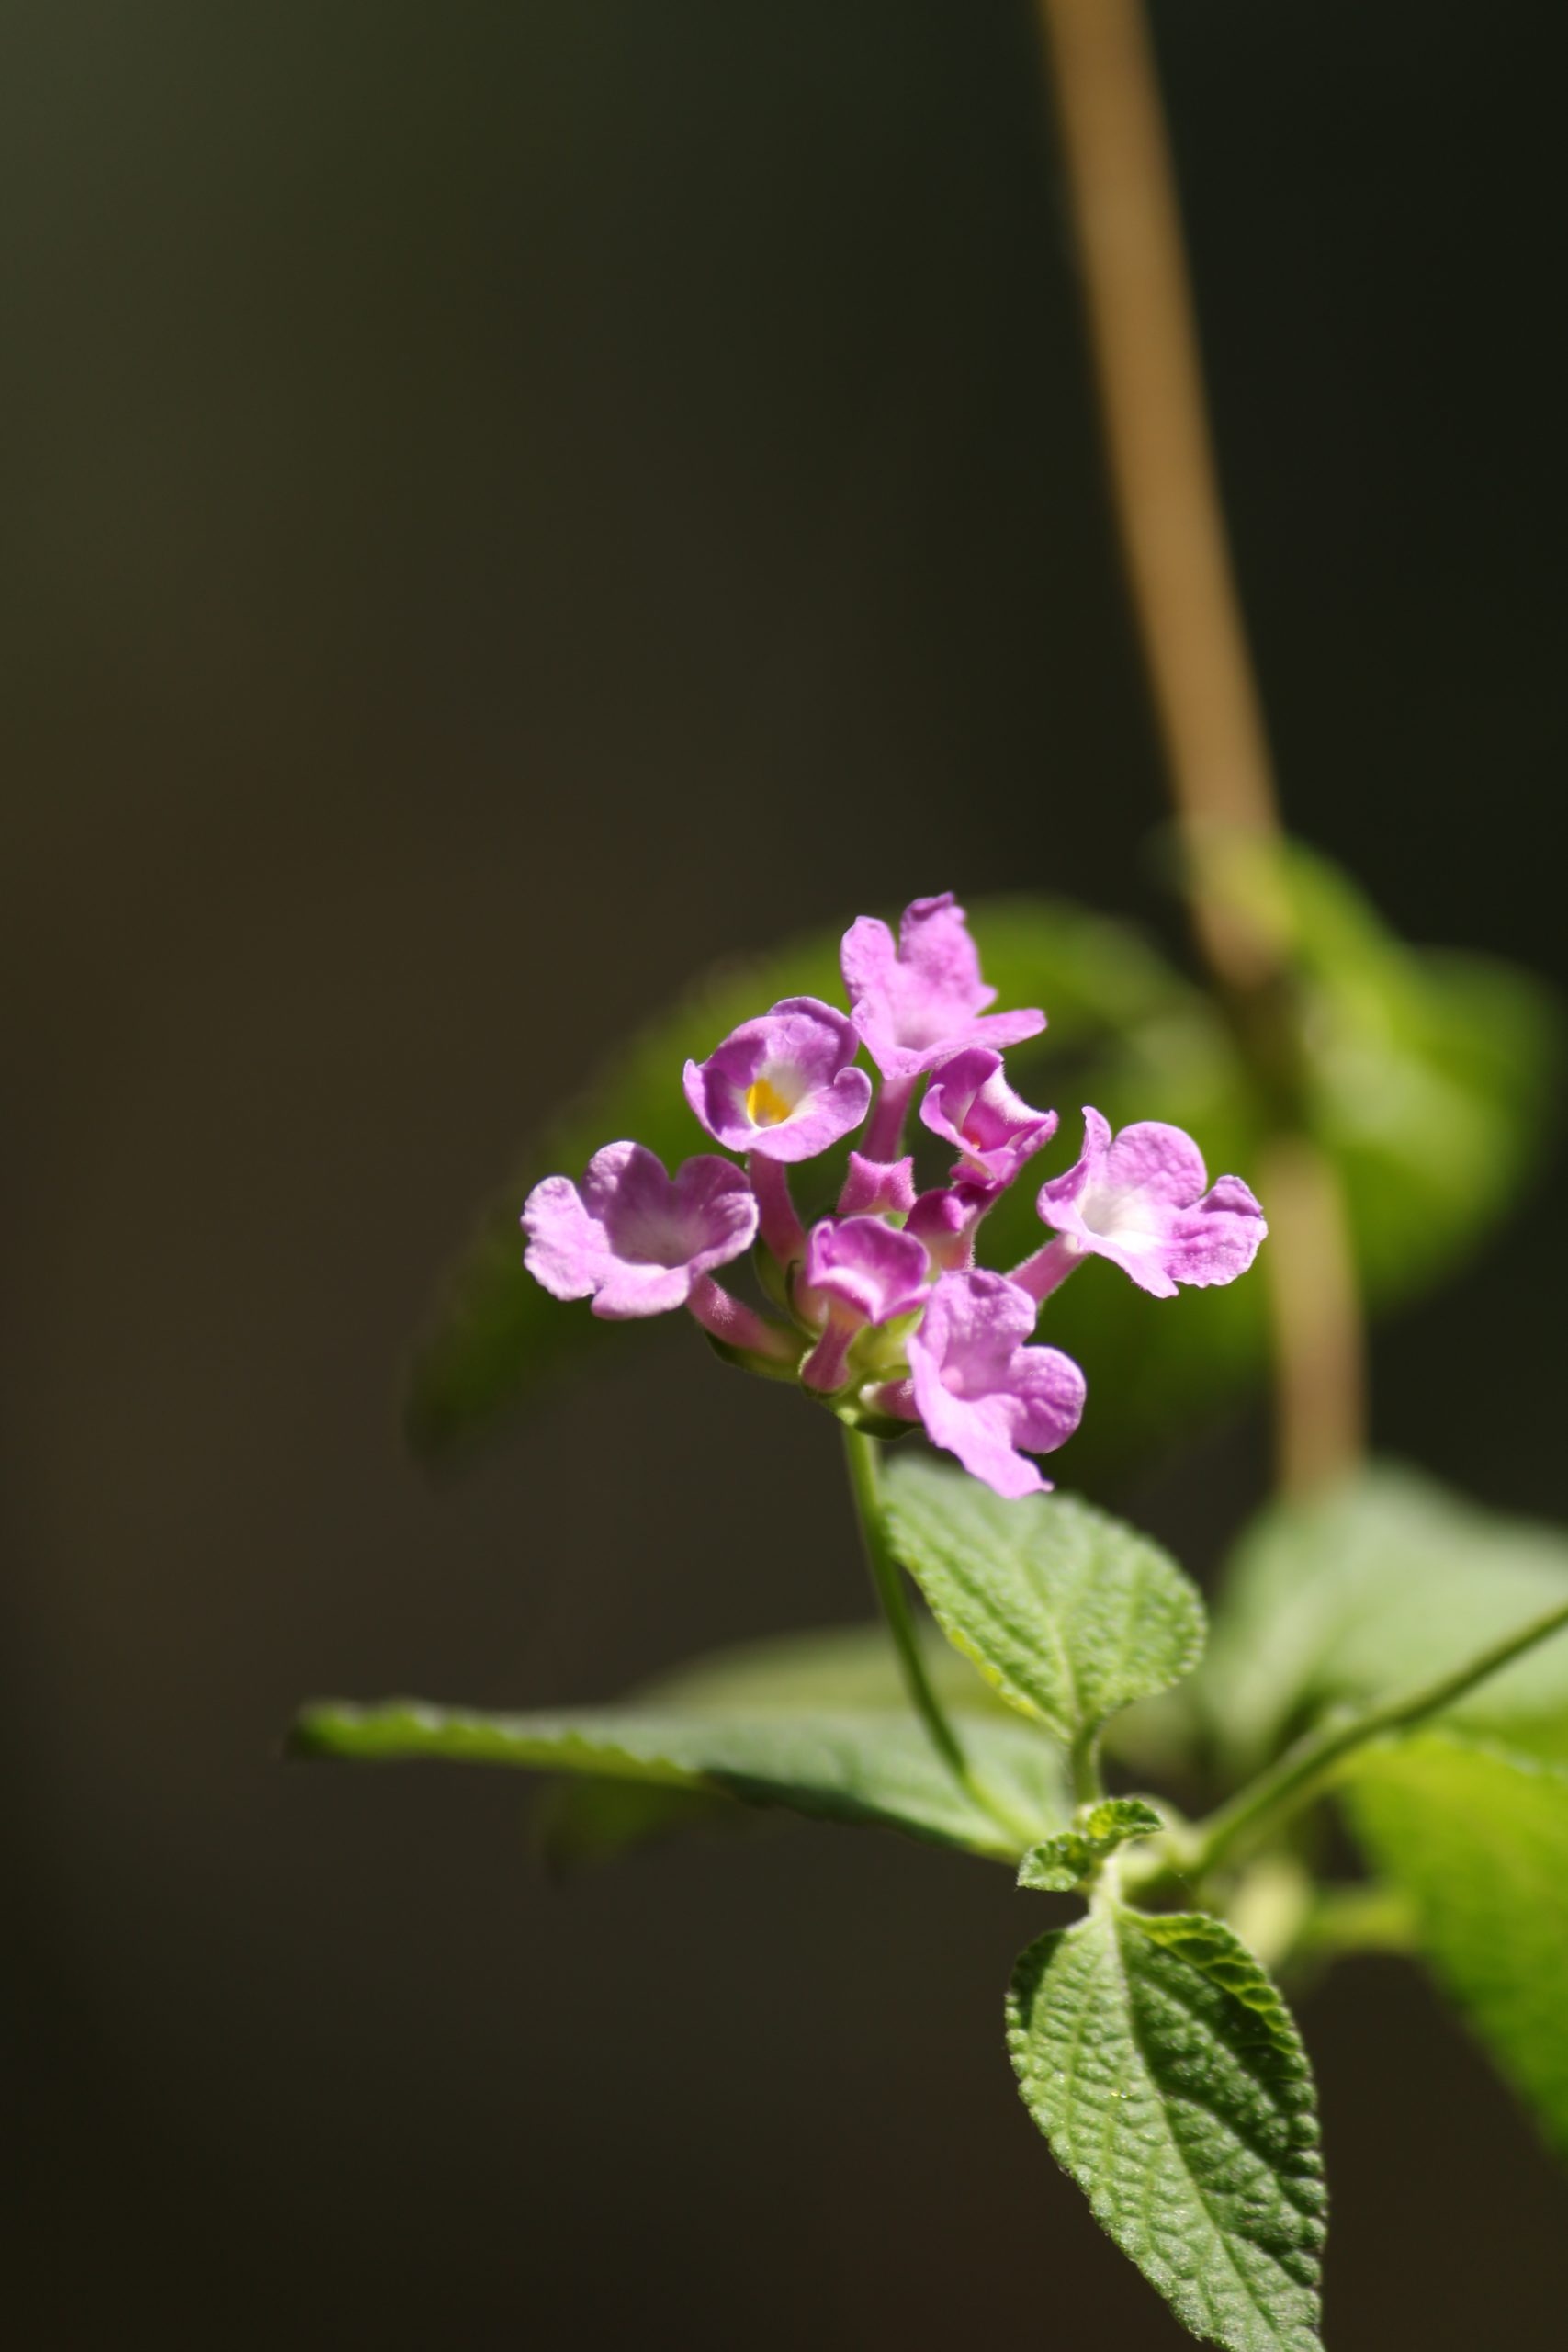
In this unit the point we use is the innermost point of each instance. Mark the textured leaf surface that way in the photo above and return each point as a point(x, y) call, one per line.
point(1428, 1076)
point(871, 1768)
point(1070, 1613)
point(1060, 1863)
point(1478, 1840)
point(1387, 1583)
point(1166, 2072)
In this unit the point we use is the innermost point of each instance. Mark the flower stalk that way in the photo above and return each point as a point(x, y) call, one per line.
point(778, 1219)
point(888, 1580)
point(1207, 707)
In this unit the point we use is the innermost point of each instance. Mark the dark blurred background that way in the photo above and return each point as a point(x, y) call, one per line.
point(501, 505)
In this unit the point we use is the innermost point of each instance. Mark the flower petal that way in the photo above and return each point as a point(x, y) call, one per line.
point(631, 1239)
point(783, 1085)
point(1137, 1198)
point(871, 1268)
point(917, 1003)
point(1218, 1238)
point(877, 1187)
point(1157, 1159)
point(970, 1104)
point(568, 1249)
point(981, 1394)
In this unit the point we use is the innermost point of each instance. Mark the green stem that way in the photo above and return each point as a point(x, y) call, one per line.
point(1302, 1773)
point(866, 1484)
point(887, 1578)
point(1088, 1785)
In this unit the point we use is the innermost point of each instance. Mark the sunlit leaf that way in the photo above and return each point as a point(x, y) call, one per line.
point(843, 1668)
point(1380, 1587)
point(1476, 1837)
point(1069, 1613)
point(1434, 1079)
point(871, 1769)
point(1166, 2072)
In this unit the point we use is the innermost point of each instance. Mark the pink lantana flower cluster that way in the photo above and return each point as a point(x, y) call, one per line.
point(880, 1309)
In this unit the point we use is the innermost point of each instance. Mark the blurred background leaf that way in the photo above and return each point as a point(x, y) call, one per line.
point(1427, 1074)
point(1476, 1837)
point(850, 1667)
point(1432, 1073)
point(1391, 1581)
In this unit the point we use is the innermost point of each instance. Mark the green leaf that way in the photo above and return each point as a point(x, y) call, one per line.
point(869, 1769)
point(1389, 1582)
point(839, 1667)
point(1069, 1613)
point(1164, 2069)
point(1476, 1837)
point(852, 1668)
point(1432, 1076)
point(1074, 1856)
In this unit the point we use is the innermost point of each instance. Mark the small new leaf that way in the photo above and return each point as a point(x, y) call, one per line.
point(1069, 1613)
point(1476, 1837)
point(870, 1768)
point(1167, 2075)
point(1073, 1857)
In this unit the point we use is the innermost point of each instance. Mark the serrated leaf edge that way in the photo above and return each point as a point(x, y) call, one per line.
point(1144, 1577)
point(1246, 1981)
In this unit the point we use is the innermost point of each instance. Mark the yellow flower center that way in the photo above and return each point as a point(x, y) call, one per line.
point(765, 1106)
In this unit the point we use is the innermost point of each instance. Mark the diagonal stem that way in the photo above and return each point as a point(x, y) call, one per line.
point(1154, 416)
point(1304, 1772)
point(887, 1578)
